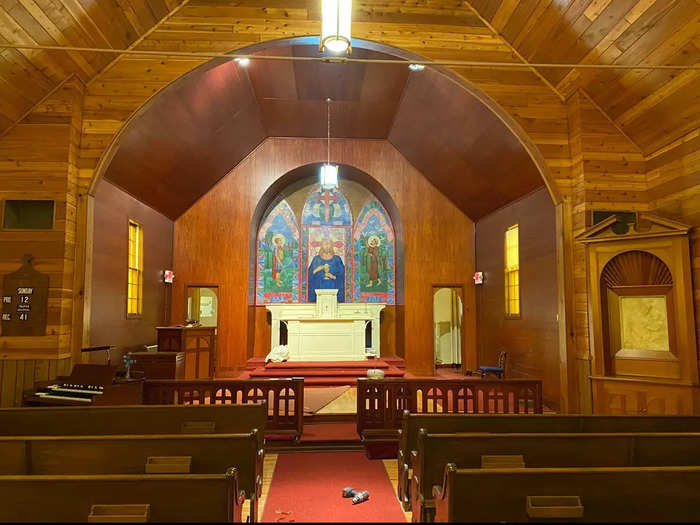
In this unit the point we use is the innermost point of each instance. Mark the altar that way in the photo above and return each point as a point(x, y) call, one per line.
point(326, 330)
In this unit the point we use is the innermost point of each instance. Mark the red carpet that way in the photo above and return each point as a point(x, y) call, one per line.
point(335, 432)
point(307, 486)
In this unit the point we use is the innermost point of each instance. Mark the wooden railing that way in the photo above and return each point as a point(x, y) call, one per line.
point(285, 397)
point(381, 402)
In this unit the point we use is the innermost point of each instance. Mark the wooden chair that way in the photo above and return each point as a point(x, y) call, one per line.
point(499, 370)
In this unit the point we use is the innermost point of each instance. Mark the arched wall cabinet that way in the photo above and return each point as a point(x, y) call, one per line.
point(641, 313)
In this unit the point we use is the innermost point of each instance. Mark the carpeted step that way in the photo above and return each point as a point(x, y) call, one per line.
point(306, 372)
point(370, 363)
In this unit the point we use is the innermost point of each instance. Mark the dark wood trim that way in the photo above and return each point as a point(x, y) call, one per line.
point(2, 217)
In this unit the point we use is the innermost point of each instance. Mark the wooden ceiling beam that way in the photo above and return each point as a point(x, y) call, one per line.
point(140, 39)
point(497, 33)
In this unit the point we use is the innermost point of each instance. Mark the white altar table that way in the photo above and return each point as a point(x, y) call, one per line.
point(326, 330)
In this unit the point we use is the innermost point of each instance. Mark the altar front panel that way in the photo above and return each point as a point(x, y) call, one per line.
point(326, 340)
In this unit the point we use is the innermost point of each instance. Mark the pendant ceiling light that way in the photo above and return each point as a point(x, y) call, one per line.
point(336, 18)
point(329, 172)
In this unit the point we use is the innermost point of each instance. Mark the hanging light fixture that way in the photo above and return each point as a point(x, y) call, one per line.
point(329, 172)
point(336, 18)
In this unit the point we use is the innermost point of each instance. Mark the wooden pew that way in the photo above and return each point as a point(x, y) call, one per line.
point(508, 423)
point(172, 497)
point(284, 397)
point(167, 419)
point(128, 454)
point(620, 494)
point(381, 403)
point(542, 450)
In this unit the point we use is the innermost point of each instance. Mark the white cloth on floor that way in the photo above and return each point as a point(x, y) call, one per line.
point(278, 354)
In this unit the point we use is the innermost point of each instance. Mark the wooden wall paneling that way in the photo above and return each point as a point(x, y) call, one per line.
point(532, 341)
point(428, 255)
point(108, 323)
point(674, 192)
point(38, 160)
point(18, 376)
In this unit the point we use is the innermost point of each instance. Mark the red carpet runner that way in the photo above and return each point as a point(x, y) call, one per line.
point(307, 486)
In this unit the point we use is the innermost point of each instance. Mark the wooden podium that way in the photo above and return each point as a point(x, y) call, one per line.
point(197, 343)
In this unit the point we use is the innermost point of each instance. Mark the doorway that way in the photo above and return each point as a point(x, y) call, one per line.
point(448, 312)
point(203, 305)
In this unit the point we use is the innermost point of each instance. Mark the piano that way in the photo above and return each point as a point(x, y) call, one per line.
point(87, 385)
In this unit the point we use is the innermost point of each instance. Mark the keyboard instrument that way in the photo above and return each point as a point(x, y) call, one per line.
point(88, 384)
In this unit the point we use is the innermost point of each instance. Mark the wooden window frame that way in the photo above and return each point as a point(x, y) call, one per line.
point(139, 269)
point(508, 272)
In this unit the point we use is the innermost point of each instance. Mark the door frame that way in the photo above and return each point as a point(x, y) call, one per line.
point(463, 339)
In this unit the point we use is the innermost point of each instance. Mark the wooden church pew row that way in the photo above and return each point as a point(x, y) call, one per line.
point(381, 403)
point(508, 423)
point(127, 454)
point(136, 419)
point(542, 450)
point(611, 494)
point(284, 397)
point(172, 497)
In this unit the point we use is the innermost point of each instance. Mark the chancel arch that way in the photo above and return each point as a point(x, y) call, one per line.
point(350, 221)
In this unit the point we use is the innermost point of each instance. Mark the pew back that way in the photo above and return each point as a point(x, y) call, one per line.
point(624, 494)
point(137, 419)
point(538, 423)
point(173, 498)
point(435, 451)
point(77, 455)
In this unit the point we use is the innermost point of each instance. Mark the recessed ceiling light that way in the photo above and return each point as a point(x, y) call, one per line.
point(416, 67)
point(243, 61)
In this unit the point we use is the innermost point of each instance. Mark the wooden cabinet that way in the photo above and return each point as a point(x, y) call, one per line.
point(198, 345)
point(641, 314)
point(627, 397)
point(159, 365)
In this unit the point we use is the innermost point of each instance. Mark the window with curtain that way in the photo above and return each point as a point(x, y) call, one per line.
point(512, 272)
point(134, 295)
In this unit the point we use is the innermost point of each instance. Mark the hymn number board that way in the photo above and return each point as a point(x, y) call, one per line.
point(25, 298)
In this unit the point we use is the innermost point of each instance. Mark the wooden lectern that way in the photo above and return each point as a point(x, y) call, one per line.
point(198, 343)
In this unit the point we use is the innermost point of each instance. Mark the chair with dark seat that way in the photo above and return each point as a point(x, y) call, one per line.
point(499, 370)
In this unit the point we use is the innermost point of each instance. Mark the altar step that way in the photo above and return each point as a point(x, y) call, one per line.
point(323, 373)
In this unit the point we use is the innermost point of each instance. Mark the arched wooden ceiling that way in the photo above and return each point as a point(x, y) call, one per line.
point(198, 128)
point(653, 108)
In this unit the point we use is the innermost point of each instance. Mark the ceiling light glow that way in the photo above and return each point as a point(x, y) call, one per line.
point(336, 21)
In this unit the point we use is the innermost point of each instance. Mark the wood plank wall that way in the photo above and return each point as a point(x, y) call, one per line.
point(607, 173)
point(38, 161)
point(674, 191)
point(211, 242)
point(532, 339)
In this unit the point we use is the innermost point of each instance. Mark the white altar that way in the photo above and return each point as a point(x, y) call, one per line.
point(326, 330)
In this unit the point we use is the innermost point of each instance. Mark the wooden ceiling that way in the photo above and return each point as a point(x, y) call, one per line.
point(653, 108)
point(218, 113)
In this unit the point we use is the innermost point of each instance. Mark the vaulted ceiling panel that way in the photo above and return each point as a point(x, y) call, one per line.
point(653, 107)
point(198, 128)
point(188, 138)
point(461, 146)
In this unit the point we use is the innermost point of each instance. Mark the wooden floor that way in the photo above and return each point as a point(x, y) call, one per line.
point(345, 404)
point(269, 470)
